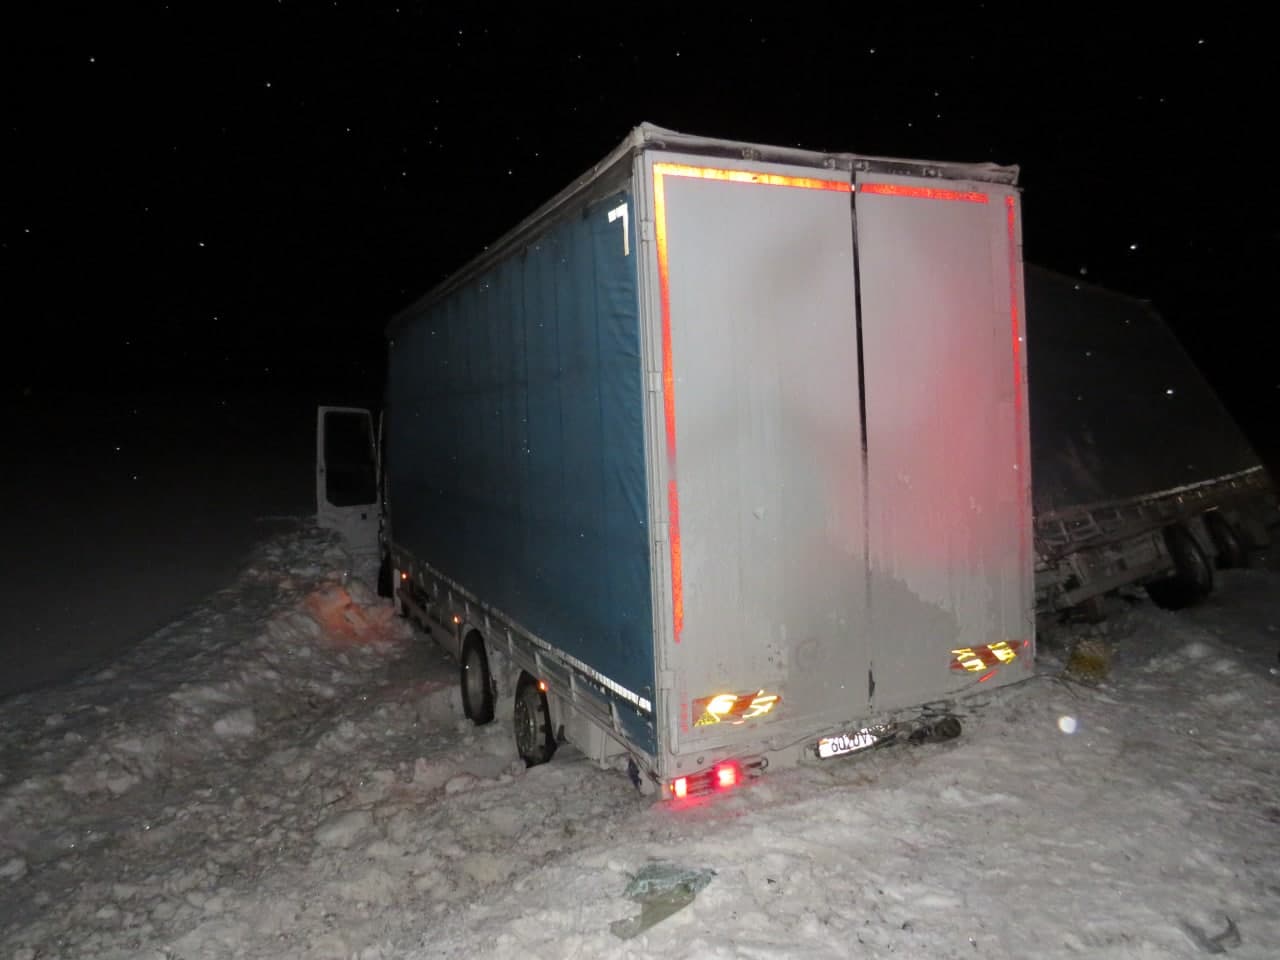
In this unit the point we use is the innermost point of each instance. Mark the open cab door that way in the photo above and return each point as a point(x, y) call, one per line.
point(347, 477)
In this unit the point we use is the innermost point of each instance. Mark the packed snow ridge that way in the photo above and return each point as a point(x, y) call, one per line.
point(285, 772)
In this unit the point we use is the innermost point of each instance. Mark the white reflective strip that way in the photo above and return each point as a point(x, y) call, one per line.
point(597, 676)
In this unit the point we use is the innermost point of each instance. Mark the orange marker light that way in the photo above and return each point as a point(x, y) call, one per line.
point(404, 574)
point(680, 788)
point(542, 686)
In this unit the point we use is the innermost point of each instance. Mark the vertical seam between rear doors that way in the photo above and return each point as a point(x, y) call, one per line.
point(862, 426)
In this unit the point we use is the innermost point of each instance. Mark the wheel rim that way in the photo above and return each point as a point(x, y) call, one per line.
point(526, 724)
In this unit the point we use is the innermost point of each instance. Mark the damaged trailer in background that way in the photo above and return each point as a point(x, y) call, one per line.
point(1140, 475)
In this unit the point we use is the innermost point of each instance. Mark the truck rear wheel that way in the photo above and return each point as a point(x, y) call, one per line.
point(1192, 580)
point(477, 682)
point(1227, 542)
point(534, 739)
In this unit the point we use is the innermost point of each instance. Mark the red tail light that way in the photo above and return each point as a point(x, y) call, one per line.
point(721, 777)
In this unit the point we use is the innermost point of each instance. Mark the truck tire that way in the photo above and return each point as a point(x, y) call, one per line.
point(1227, 542)
point(477, 682)
point(1193, 577)
point(532, 720)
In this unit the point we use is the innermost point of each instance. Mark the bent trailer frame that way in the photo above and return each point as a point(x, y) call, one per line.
point(1085, 551)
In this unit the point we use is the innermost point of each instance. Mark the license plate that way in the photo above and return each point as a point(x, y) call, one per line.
point(843, 743)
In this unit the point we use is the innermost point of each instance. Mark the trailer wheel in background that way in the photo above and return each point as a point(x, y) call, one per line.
point(1193, 579)
point(477, 682)
point(1227, 542)
point(534, 738)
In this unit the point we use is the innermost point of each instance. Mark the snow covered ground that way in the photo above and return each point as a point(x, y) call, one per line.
point(284, 772)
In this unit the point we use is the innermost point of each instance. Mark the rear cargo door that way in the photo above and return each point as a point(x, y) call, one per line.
point(762, 456)
point(347, 476)
point(947, 436)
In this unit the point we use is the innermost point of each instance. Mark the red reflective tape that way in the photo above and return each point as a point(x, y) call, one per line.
point(677, 582)
point(1015, 322)
point(668, 400)
point(664, 295)
point(921, 193)
point(749, 176)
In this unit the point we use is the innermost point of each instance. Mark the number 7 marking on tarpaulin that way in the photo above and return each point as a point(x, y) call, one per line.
point(620, 213)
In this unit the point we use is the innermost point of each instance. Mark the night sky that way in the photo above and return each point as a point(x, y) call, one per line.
point(205, 203)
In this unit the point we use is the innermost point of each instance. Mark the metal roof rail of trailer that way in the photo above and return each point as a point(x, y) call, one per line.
point(737, 149)
point(648, 135)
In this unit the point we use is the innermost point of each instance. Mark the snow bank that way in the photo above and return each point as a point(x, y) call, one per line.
point(286, 773)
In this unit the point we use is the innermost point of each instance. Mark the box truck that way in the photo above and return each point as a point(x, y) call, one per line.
point(1142, 477)
point(718, 460)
